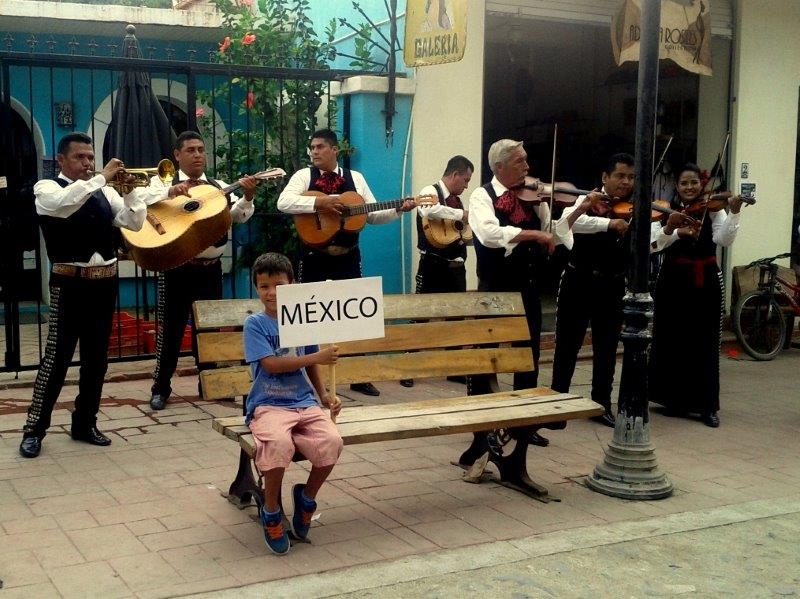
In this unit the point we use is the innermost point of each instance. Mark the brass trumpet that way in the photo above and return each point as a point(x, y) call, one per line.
point(128, 178)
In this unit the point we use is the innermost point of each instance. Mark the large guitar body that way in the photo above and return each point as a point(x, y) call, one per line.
point(317, 229)
point(444, 233)
point(177, 229)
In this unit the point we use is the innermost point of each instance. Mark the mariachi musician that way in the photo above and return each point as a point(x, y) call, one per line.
point(198, 279)
point(341, 259)
point(78, 212)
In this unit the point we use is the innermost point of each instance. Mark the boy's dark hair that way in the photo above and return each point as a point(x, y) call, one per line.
point(621, 158)
point(689, 166)
point(80, 138)
point(272, 263)
point(186, 136)
point(458, 164)
point(326, 135)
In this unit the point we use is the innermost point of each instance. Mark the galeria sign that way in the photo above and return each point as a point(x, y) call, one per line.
point(436, 32)
point(330, 311)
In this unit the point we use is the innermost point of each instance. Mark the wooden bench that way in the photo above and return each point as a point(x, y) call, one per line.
point(432, 335)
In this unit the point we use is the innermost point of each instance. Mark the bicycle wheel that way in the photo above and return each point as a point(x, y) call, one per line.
point(759, 325)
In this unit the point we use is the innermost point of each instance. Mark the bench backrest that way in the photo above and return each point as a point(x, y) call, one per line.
point(427, 335)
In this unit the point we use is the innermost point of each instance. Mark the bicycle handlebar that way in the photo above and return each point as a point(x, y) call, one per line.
point(765, 261)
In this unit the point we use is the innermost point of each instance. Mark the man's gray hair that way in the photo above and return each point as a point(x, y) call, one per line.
point(500, 151)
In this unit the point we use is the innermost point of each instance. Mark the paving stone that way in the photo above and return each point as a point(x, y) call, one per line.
point(192, 563)
point(20, 568)
point(186, 536)
point(141, 572)
point(74, 581)
point(145, 527)
point(63, 553)
point(105, 542)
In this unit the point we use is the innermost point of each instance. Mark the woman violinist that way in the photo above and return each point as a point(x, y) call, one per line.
point(689, 301)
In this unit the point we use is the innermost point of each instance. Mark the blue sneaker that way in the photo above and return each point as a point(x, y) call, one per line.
point(274, 535)
point(304, 508)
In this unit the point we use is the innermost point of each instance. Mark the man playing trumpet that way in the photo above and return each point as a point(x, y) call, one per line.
point(77, 213)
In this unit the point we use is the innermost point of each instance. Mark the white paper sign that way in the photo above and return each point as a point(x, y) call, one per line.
point(330, 311)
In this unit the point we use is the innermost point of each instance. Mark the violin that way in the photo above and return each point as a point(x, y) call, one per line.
point(714, 202)
point(659, 208)
point(536, 192)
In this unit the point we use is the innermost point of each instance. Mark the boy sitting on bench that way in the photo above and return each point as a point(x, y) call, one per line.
point(282, 410)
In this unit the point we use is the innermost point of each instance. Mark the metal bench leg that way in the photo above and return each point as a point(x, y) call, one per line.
point(513, 467)
point(244, 488)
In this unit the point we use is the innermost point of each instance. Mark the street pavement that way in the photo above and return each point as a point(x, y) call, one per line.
point(146, 518)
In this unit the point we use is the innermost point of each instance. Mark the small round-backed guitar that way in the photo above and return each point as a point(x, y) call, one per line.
point(317, 229)
point(177, 229)
point(445, 232)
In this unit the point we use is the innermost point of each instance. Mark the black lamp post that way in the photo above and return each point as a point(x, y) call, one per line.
point(629, 468)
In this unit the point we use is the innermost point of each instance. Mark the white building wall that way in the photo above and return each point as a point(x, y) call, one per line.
point(766, 80)
point(448, 119)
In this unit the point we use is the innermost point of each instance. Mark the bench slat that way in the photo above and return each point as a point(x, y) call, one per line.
point(235, 381)
point(215, 314)
point(233, 426)
point(427, 425)
point(215, 347)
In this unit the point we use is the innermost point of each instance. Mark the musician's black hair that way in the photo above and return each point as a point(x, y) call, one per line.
point(186, 136)
point(689, 166)
point(620, 158)
point(327, 135)
point(79, 138)
point(272, 263)
point(458, 164)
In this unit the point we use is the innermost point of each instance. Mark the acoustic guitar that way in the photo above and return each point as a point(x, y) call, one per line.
point(317, 229)
point(177, 229)
point(444, 233)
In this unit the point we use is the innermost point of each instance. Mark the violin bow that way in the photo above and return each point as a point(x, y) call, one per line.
point(661, 160)
point(716, 174)
point(553, 178)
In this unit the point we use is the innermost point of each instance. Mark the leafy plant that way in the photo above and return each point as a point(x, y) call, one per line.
point(269, 120)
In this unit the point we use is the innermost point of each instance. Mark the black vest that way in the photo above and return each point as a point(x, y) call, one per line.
point(498, 272)
point(451, 252)
point(87, 231)
point(214, 183)
point(341, 238)
point(602, 253)
point(703, 248)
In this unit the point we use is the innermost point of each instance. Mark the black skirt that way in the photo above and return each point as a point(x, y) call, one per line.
point(684, 358)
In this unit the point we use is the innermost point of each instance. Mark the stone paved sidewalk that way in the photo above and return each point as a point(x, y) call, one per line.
point(145, 517)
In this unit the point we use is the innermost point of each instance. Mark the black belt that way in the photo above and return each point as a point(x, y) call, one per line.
point(85, 272)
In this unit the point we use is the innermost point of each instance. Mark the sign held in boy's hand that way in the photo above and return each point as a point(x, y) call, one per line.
point(330, 311)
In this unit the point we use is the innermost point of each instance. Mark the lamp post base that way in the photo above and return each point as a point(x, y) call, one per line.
point(629, 469)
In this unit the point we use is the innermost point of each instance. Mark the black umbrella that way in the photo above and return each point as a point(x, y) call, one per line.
point(139, 134)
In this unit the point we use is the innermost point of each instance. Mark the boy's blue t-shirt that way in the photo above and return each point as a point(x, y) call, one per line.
point(284, 390)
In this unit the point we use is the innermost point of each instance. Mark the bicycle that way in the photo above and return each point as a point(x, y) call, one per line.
point(758, 318)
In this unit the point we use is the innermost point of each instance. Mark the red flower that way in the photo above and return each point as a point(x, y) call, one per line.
point(199, 113)
point(248, 39)
point(251, 100)
point(226, 43)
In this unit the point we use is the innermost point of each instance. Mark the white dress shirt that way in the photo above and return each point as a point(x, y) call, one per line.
point(724, 227)
point(62, 202)
point(486, 226)
point(241, 209)
point(291, 200)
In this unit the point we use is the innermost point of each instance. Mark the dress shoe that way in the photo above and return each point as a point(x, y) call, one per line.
point(711, 420)
point(607, 419)
point(158, 400)
point(537, 439)
point(91, 436)
point(30, 447)
point(407, 382)
point(366, 389)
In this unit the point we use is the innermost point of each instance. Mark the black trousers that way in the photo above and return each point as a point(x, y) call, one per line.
point(318, 266)
point(586, 298)
point(80, 310)
point(177, 289)
point(478, 385)
point(437, 275)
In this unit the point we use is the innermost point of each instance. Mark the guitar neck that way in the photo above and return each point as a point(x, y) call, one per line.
point(230, 188)
point(374, 206)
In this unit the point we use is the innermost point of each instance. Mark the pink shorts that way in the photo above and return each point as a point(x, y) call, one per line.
point(278, 432)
